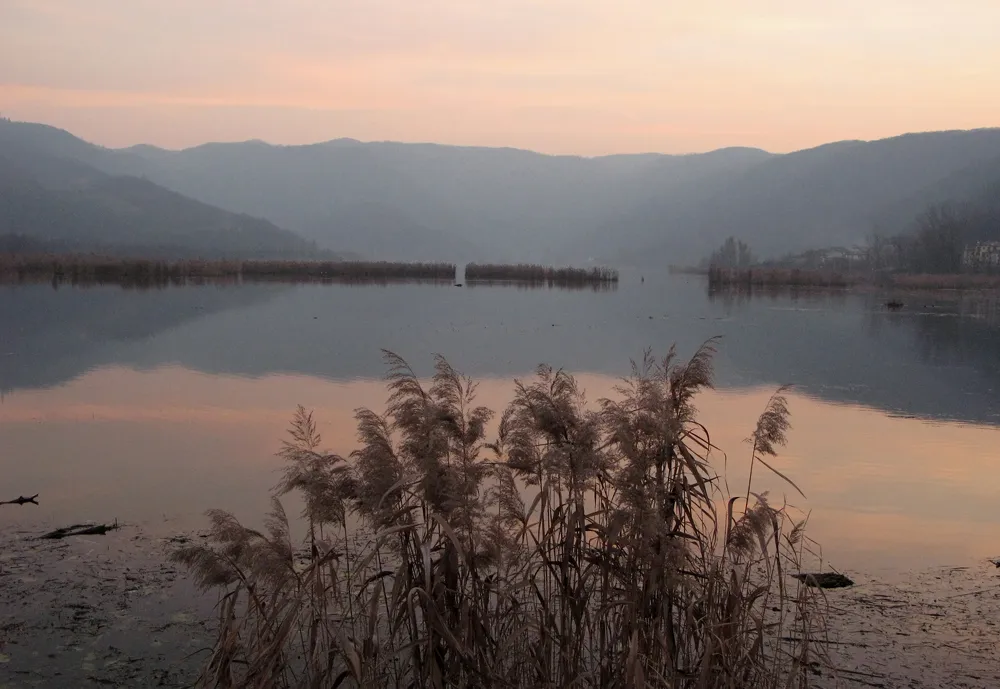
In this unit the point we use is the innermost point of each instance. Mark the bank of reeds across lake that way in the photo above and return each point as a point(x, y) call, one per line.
point(767, 278)
point(537, 284)
point(92, 269)
point(83, 269)
point(959, 281)
point(568, 545)
point(526, 272)
point(750, 278)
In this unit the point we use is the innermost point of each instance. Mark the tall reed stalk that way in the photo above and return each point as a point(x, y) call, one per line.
point(583, 547)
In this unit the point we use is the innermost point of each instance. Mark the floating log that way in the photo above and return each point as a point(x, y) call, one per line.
point(33, 500)
point(80, 530)
point(825, 580)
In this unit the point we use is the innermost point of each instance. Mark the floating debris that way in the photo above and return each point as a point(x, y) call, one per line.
point(81, 530)
point(33, 500)
point(825, 580)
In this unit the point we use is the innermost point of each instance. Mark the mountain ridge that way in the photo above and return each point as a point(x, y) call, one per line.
point(408, 200)
point(64, 202)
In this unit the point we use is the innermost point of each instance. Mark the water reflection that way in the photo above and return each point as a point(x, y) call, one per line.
point(545, 284)
point(939, 359)
point(168, 443)
point(50, 336)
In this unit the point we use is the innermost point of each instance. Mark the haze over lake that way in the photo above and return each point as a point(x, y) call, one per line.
point(151, 406)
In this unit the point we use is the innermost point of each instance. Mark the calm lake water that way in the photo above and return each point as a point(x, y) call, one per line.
point(151, 406)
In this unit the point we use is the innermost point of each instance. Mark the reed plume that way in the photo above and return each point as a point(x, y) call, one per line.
point(587, 546)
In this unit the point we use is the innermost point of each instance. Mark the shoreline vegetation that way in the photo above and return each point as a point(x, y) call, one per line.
point(584, 546)
point(90, 269)
point(94, 269)
point(525, 272)
point(770, 278)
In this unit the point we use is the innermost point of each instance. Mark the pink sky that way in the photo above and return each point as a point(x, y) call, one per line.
point(560, 76)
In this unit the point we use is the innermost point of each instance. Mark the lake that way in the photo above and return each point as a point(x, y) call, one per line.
point(151, 406)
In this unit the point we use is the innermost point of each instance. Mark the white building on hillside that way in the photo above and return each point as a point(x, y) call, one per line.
point(982, 256)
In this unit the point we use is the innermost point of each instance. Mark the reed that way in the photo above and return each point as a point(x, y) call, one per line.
point(525, 272)
point(582, 547)
point(945, 281)
point(95, 269)
point(521, 285)
point(778, 277)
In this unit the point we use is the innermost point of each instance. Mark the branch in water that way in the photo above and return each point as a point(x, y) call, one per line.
point(81, 530)
point(22, 500)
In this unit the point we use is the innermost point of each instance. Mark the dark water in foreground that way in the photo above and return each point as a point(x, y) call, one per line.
point(151, 406)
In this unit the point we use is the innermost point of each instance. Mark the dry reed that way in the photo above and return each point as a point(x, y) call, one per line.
point(945, 281)
point(524, 272)
point(95, 269)
point(581, 548)
point(778, 277)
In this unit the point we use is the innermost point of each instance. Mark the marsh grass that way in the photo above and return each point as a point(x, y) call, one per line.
point(525, 285)
point(764, 279)
point(956, 281)
point(525, 272)
point(752, 278)
point(95, 269)
point(583, 547)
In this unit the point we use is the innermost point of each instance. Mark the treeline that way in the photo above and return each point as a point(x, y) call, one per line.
point(950, 245)
point(733, 254)
point(525, 272)
point(946, 239)
point(90, 269)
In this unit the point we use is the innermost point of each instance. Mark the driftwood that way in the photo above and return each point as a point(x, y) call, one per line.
point(22, 500)
point(81, 530)
point(825, 580)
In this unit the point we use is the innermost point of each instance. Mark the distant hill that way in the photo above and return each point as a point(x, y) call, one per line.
point(444, 201)
point(410, 201)
point(420, 201)
point(379, 230)
point(827, 196)
point(51, 198)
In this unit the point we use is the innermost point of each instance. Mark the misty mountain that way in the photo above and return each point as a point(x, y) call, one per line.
point(383, 231)
point(830, 195)
point(51, 199)
point(517, 205)
point(457, 203)
point(418, 201)
point(423, 201)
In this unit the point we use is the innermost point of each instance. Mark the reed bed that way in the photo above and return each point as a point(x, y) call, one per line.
point(582, 547)
point(765, 279)
point(779, 277)
point(534, 285)
point(946, 281)
point(93, 269)
point(526, 272)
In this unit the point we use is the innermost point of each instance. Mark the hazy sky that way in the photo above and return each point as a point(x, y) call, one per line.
point(561, 76)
